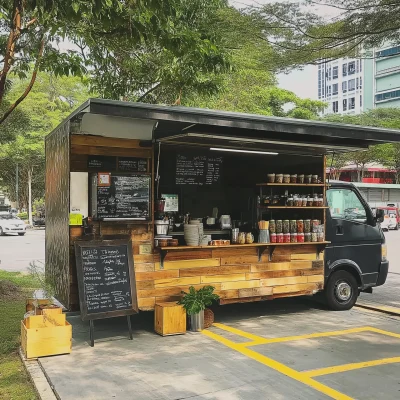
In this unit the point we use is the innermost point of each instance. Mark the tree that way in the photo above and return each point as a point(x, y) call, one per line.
point(386, 154)
point(251, 86)
point(49, 102)
point(112, 36)
point(311, 30)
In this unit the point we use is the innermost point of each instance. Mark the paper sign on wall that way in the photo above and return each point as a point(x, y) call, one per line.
point(75, 219)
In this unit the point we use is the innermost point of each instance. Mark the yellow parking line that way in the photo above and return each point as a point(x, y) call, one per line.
point(262, 340)
point(350, 367)
point(387, 333)
point(277, 366)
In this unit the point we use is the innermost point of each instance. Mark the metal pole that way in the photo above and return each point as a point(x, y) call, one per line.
point(17, 188)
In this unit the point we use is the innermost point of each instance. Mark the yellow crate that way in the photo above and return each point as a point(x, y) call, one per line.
point(45, 335)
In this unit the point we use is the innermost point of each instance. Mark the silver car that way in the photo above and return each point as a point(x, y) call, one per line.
point(11, 224)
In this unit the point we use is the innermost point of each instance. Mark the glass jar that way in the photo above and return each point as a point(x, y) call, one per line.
point(271, 178)
point(308, 179)
point(320, 201)
point(293, 178)
point(304, 201)
point(286, 226)
point(300, 226)
point(315, 179)
point(249, 238)
point(314, 237)
point(300, 178)
point(279, 226)
point(273, 237)
point(307, 225)
point(300, 238)
point(278, 178)
point(242, 238)
point(279, 238)
point(275, 200)
point(286, 178)
point(293, 238)
point(272, 226)
point(290, 202)
point(309, 201)
point(320, 236)
point(315, 200)
point(314, 225)
point(298, 201)
point(307, 237)
point(286, 238)
point(293, 226)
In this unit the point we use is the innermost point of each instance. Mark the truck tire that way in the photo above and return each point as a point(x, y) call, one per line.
point(1, 231)
point(341, 292)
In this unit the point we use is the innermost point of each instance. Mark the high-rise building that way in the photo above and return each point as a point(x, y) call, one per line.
point(340, 85)
point(382, 78)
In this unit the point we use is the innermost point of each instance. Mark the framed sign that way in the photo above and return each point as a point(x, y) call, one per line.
point(171, 202)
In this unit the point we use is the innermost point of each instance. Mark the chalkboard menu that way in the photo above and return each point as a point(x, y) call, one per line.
point(198, 170)
point(125, 197)
point(132, 164)
point(102, 163)
point(106, 279)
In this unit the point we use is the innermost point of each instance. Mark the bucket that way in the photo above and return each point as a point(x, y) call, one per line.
point(197, 321)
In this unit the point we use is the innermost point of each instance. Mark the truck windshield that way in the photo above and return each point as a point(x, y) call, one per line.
point(344, 204)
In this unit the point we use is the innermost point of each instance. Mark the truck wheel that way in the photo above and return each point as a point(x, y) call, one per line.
point(1, 231)
point(341, 292)
point(397, 227)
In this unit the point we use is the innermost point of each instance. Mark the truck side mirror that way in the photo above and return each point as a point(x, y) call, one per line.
point(379, 215)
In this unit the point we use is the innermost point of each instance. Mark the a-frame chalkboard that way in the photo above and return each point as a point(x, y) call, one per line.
point(106, 280)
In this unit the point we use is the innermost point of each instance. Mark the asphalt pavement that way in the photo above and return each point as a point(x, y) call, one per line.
point(16, 252)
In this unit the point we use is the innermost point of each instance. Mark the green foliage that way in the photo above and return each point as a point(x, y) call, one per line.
point(197, 300)
point(37, 271)
point(309, 30)
point(50, 101)
point(387, 154)
point(23, 215)
point(250, 86)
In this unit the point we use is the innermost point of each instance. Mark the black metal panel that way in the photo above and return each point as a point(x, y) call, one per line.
point(57, 211)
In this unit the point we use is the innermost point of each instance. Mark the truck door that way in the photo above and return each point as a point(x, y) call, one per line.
point(355, 241)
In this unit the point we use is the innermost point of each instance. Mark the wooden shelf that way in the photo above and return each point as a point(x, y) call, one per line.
point(294, 208)
point(294, 184)
point(172, 248)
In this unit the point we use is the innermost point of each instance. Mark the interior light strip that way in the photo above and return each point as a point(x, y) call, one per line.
point(270, 153)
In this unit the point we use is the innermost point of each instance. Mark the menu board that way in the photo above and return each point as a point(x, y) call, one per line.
point(198, 170)
point(105, 279)
point(104, 163)
point(132, 164)
point(126, 197)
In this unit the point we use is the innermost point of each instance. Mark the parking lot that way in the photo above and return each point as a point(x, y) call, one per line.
point(284, 349)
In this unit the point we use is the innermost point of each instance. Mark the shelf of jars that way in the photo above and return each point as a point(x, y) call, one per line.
point(293, 207)
point(293, 184)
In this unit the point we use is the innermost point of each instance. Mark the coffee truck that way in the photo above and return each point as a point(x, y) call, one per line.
point(201, 197)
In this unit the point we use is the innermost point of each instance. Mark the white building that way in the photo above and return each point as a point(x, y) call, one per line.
point(340, 85)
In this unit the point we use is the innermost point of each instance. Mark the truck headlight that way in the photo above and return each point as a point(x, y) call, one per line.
point(384, 252)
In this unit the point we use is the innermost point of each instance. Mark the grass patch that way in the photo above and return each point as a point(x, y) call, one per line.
point(14, 382)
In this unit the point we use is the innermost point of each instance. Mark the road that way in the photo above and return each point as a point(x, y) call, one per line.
point(16, 252)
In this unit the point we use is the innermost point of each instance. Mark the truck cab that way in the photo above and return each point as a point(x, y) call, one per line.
point(355, 260)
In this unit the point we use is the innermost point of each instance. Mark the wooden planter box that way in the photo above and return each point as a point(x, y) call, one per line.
point(45, 335)
point(169, 319)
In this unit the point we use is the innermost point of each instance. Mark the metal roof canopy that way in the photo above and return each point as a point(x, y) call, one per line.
point(211, 128)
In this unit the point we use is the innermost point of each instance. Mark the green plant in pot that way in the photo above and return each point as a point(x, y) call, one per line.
point(195, 302)
point(47, 292)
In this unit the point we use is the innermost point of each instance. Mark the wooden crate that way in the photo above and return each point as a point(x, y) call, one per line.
point(45, 335)
point(169, 319)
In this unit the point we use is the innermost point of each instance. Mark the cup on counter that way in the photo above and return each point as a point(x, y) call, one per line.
point(235, 235)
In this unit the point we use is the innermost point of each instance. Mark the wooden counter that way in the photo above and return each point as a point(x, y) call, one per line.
point(239, 273)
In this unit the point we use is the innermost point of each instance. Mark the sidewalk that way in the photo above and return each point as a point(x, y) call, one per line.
point(387, 295)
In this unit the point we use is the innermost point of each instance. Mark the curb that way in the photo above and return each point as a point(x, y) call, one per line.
point(35, 372)
point(383, 309)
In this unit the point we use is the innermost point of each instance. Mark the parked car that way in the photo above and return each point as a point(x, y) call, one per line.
point(39, 221)
point(11, 224)
point(391, 218)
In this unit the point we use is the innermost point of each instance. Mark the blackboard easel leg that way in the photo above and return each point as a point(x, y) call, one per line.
point(91, 333)
point(128, 317)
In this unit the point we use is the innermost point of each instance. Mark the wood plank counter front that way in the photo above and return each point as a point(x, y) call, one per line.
point(239, 273)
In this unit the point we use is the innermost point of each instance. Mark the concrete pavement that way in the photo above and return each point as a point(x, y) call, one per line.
point(282, 349)
point(16, 252)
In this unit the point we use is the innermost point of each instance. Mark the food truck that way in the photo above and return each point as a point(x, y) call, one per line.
point(201, 197)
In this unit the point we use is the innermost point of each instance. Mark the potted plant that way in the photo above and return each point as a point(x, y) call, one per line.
point(195, 302)
point(46, 292)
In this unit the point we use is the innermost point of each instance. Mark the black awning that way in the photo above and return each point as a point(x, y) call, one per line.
point(203, 127)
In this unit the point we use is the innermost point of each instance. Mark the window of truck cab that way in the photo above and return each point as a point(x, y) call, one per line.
point(344, 204)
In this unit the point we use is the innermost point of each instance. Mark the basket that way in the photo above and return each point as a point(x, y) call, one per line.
point(208, 318)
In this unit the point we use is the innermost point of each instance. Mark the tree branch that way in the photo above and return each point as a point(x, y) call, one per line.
point(148, 92)
point(29, 87)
